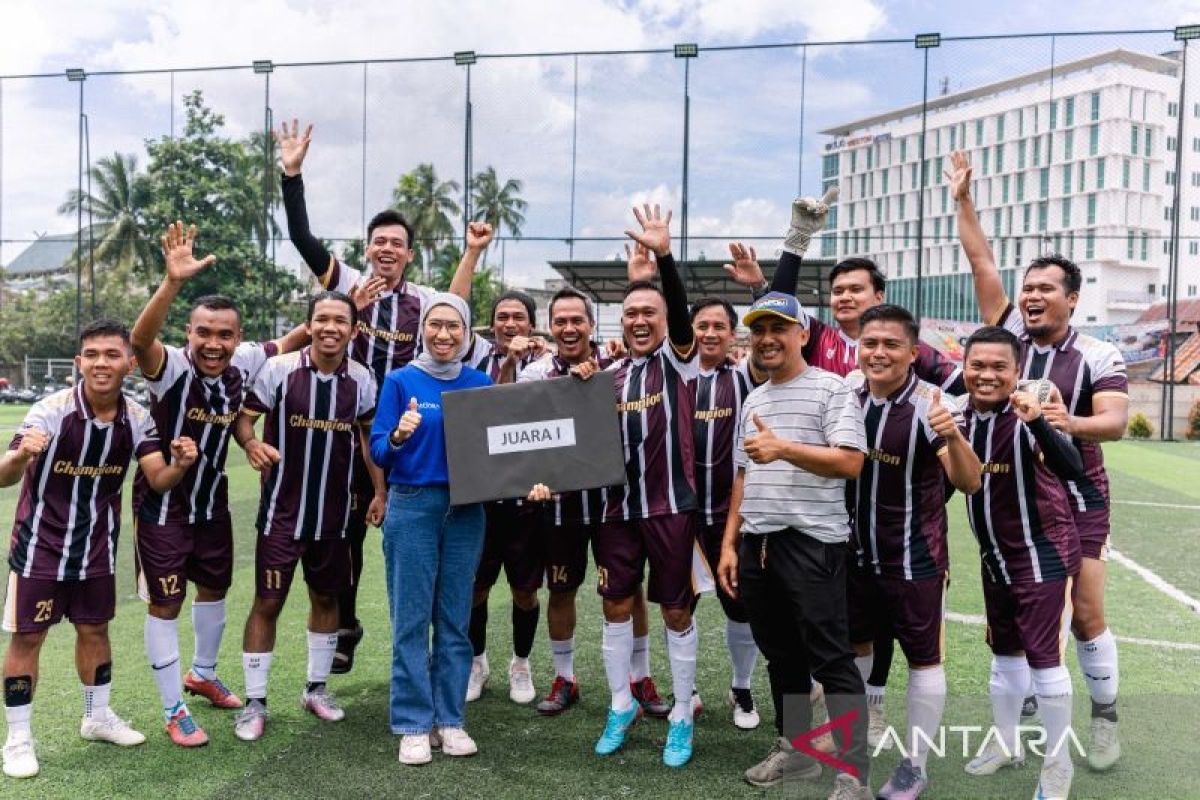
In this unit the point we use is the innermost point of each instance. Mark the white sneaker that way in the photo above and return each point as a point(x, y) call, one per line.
point(414, 749)
point(992, 759)
point(520, 682)
point(20, 761)
point(478, 678)
point(453, 742)
point(745, 713)
point(877, 727)
point(1105, 747)
point(110, 728)
point(1054, 783)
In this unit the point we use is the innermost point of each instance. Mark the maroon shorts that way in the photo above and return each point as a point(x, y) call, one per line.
point(622, 548)
point(1093, 528)
point(168, 556)
point(1028, 617)
point(565, 549)
point(326, 565)
point(32, 605)
point(512, 541)
point(911, 611)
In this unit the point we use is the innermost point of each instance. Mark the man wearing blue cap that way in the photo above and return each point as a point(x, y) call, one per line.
point(800, 439)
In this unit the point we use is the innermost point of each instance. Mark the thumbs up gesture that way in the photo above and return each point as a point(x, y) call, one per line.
point(409, 421)
point(762, 445)
point(940, 418)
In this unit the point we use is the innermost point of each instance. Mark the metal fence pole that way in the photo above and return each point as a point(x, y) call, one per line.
point(800, 138)
point(924, 42)
point(574, 152)
point(687, 130)
point(79, 77)
point(1167, 422)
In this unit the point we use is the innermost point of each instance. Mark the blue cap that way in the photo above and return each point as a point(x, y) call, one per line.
point(784, 306)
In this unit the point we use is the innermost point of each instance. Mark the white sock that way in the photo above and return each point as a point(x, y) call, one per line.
point(19, 719)
point(161, 637)
point(563, 652)
point(875, 694)
point(1053, 687)
point(95, 701)
point(681, 651)
point(617, 644)
point(743, 652)
point(1007, 686)
point(1098, 662)
point(926, 702)
point(208, 620)
point(256, 667)
point(639, 659)
point(864, 664)
point(321, 647)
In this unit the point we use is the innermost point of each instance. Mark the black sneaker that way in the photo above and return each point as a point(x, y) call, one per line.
point(343, 657)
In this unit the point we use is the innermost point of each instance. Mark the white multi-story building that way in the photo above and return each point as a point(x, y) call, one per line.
point(1078, 160)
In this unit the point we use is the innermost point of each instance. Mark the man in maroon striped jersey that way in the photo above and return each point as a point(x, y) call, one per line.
point(1029, 550)
point(318, 405)
point(387, 334)
point(71, 452)
point(719, 389)
point(186, 533)
point(897, 581)
point(1093, 408)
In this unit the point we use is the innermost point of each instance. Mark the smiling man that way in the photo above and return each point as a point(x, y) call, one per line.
point(1093, 408)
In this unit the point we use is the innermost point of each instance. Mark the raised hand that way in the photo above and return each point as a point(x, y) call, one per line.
point(33, 443)
point(959, 176)
point(540, 493)
point(639, 264)
point(183, 451)
point(940, 418)
point(479, 235)
point(410, 420)
point(1056, 412)
point(656, 234)
point(177, 245)
point(585, 370)
point(364, 293)
point(744, 269)
point(293, 146)
point(764, 446)
point(616, 349)
point(261, 455)
point(808, 219)
point(1026, 405)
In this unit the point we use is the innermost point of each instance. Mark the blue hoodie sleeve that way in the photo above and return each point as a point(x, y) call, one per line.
point(387, 416)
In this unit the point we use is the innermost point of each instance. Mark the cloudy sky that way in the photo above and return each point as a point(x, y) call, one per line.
point(747, 156)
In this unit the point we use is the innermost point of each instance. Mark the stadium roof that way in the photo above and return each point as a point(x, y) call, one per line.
point(605, 281)
point(48, 254)
point(1187, 312)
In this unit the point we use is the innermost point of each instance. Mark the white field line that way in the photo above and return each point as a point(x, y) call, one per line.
point(1155, 580)
point(1184, 506)
point(976, 619)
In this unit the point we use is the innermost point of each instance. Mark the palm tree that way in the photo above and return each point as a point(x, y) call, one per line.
point(500, 206)
point(429, 205)
point(257, 151)
point(116, 203)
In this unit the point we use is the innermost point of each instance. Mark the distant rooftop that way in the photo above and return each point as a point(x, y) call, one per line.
point(49, 254)
point(1166, 66)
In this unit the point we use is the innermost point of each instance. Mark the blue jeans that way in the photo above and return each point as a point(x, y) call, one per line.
point(431, 551)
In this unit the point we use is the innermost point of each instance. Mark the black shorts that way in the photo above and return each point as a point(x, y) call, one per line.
point(910, 610)
point(512, 541)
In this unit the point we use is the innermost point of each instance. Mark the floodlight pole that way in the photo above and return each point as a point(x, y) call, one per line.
point(574, 151)
point(923, 42)
point(79, 76)
point(687, 52)
point(1166, 428)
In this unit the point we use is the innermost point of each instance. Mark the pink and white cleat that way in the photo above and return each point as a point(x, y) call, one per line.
point(321, 703)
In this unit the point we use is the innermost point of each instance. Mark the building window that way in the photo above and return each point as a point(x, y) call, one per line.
point(1025, 219)
point(1069, 112)
point(1133, 139)
point(1100, 174)
point(1172, 109)
point(1066, 212)
point(1043, 216)
point(1191, 290)
point(945, 199)
point(1170, 178)
point(1149, 141)
point(1069, 146)
point(902, 198)
point(1045, 182)
point(1021, 154)
point(1037, 150)
point(1195, 213)
point(1091, 317)
point(997, 222)
point(904, 149)
point(1053, 114)
point(1091, 212)
point(884, 180)
point(1129, 246)
point(938, 170)
point(1195, 145)
point(1193, 248)
point(1017, 245)
point(1168, 213)
point(1093, 140)
point(1066, 178)
point(1003, 252)
point(1020, 186)
point(1089, 245)
point(913, 182)
point(986, 158)
point(1000, 126)
point(829, 166)
point(1095, 106)
point(1171, 141)
point(1082, 175)
point(953, 138)
point(978, 132)
point(1125, 166)
point(1146, 177)
point(853, 161)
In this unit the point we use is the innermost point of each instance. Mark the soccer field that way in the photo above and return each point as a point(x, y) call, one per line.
point(1156, 524)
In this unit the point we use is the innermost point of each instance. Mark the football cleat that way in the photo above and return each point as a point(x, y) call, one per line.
point(251, 721)
point(322, 704)
point(214, 691)
point(563, 694)
point(1106, 747)
point(110, 728)
point(20, 759)
point(678, 750)
point(478, 678)
point(645, 694)
point(992, 759)
point(615, 729)
point(907, 783)
point(520, 682)
point(183, 730)
point(745, 715)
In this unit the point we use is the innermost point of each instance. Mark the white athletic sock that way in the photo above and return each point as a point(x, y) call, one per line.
point(563, 652)
point(617, 644)
point(95, 701)
point(639, 659)
point(161, 637)
point(1098, 662)
point(681, 651)
point(482, 661)
point(321, 647)
point(864, 664)
point(19, 719)
point(256, 667)
point(926, 702)
point(1053, 687)
point(743, 652)
point(208, 620)
point(875, 694)
point(1007, 686)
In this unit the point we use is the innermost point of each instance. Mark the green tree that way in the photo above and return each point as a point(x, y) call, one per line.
point(354, 254)
point(261, 172)
point(117, 203)
point(216, 183)
point(500, 205)
point(429, 205)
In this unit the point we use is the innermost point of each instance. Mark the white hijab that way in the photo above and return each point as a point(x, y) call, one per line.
point(445, 370)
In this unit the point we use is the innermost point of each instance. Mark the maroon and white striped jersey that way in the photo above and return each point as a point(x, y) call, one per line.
point(718, 396)
point(69, 511)
point(829, 348)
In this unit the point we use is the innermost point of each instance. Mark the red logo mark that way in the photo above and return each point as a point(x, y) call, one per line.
point(804, 742)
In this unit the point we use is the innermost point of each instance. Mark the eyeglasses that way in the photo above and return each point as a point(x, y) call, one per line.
point(438, 326)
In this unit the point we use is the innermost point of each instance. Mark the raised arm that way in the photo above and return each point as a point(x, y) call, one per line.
point(989, 290)
point(293, 147)
point(656, 237)
point(1059, 452)
point(479, 236)
point(177, 246)
point(958, 459)
point(162, 476)
point(12, 464)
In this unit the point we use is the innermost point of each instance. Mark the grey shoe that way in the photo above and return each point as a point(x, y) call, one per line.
point(782, 765)
point(847, 787)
